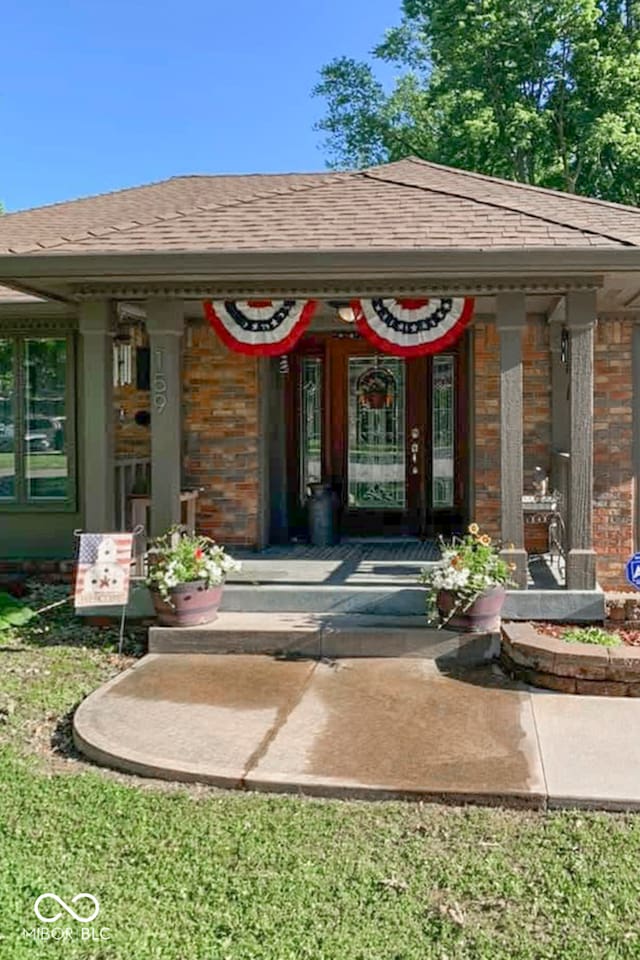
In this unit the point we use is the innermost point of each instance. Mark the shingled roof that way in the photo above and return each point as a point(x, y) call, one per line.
point(409, 204)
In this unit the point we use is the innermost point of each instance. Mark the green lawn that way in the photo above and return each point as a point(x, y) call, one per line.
point(193, 873)
point(37, 461)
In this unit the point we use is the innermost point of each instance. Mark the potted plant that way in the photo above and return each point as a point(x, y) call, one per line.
point(468, 586)
point(186, 576)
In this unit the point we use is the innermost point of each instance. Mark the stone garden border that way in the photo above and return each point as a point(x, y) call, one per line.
point(583, 668)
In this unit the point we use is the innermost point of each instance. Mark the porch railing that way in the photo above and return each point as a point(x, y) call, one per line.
point(560, 462)
point(132, 475)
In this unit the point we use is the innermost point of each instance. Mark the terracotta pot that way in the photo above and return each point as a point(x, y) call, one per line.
point(191, 604)
point(482, 616)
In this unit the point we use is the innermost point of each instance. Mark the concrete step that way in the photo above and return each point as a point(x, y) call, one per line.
point(369, 599)
point(319, 598)
point(325, 636)
point(401, 600)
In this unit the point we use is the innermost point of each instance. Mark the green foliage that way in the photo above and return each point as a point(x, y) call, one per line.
point(469, 565)
point(597, 635)
point(13, 613)
point(541, 91)
point(53, 621)
point(180, 558)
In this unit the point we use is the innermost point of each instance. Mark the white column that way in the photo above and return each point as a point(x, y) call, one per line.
point(165, 326)
point(581, 558)
point(96, 416)
point(511, 321)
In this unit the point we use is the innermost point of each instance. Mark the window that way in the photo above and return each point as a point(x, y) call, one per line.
point(443, 431)
point(7, 420)
point(36, 423)
point(310, 423)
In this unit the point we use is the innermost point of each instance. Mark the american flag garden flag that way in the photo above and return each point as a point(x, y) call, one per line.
point(103, 569)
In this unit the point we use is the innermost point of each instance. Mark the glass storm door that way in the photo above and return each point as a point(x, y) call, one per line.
point(384, 431)
point(378, 430)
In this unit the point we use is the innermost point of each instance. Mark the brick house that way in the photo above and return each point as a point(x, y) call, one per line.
point(111, 376)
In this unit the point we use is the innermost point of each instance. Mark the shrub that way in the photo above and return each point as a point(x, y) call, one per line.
point(592, 635)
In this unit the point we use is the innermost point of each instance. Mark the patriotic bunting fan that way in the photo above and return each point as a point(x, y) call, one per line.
point(412, 328)
point(260, 327)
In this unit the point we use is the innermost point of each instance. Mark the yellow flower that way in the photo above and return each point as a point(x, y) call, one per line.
point(474, 529)
point(485, 540)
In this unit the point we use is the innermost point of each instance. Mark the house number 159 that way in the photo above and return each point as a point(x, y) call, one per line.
point(159, 382)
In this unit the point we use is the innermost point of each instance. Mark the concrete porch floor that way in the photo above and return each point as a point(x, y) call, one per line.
point(371, 562)
point(369, 728)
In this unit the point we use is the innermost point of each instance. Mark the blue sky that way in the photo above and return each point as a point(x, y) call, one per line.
point(98, 95)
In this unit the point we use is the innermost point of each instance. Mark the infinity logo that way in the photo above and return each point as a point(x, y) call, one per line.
point(65, 906)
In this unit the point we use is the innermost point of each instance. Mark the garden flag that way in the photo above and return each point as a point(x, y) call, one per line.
point(260, 327)
point(103, 569)
point(412, 328)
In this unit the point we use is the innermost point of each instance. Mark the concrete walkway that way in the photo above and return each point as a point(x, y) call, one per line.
point(376, 728)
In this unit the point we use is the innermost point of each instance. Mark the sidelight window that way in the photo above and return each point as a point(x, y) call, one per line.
point(310, 423)
point(443, 431)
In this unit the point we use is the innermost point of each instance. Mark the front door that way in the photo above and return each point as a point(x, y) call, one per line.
point(383, 431)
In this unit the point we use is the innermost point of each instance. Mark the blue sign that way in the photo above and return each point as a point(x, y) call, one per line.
point(632, 570)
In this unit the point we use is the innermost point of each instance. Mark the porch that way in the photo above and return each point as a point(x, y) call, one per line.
point(489, 483)
point(519, 387)
point(379, 578)
point(373, 581)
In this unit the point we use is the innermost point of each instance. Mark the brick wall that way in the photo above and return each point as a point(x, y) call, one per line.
point(220, 407)
point(613, 470)
point(537, 398)
point(613, 467)
point(537, 413)
point(486, 399)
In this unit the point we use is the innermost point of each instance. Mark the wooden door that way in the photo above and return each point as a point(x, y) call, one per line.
point(385, 432)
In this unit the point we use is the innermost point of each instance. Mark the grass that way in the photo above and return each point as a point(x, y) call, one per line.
point(46, 461)
point(193, 873)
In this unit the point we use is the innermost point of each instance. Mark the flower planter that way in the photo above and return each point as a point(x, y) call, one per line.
point(191, 604)
point(482, 616)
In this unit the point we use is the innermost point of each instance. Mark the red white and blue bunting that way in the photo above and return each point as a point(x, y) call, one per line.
point(260, 327)
point(412, 328)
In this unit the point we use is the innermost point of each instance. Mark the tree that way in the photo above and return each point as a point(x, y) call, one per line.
point(541, 91)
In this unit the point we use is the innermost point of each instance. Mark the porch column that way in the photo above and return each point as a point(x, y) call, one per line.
point(511, 320)
point(581, 558)
point(165, 326)
point(96, 428)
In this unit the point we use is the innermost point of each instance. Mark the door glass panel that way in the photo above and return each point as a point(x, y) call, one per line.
point(376, 454)
point(45, 444)
point(310, 423)
point(7, 420)
point(443, 431)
